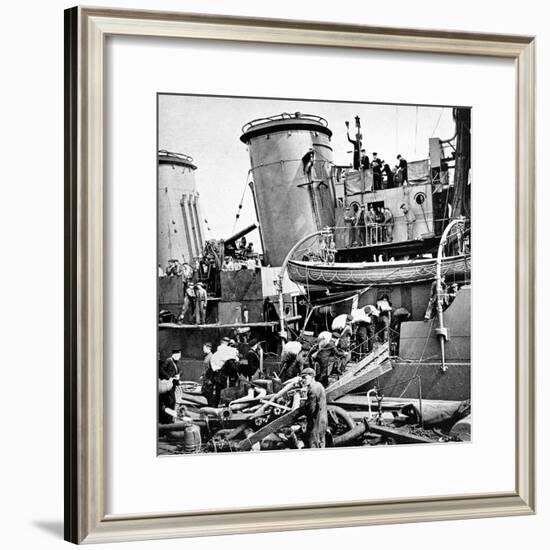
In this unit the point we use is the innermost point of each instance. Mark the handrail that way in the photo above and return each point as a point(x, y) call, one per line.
point(181, 156)
point(283, 116)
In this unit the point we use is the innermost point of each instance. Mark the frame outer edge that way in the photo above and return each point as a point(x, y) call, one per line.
point(92, 256)
point(85, 29)
point(72, 489)
point(525, 276)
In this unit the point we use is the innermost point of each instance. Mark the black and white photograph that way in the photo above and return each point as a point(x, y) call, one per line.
point(314, 274)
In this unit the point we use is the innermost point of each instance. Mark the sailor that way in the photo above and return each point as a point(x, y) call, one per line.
point(355, 225)
point(240, 248)
point(320, 356)
point(208, 387)
point(307, 163)
point(451, 294)
point(349, 220)
point(402, 169)
point(173, 268)
point(356, 148)
point(365, 161)
point(387, 171)
point(167, 400)
point(376, 172)
point(362, 226)
point(170, 368)
point(292, 365)
point(379, 219)
point(251, 363)
point(327, 356)
point(372, 313)
point(200, 304)
point(289, 354)
point(270, 315)
point(186, 273)
point(207, 350)
point(371, 222)
point(359, 325)
point(342, 351)
point(388, 224)
point(410, 219)
point(189, 298)
point(223, 365)
point(224, 342)
point(384, 306)
point(316, 410)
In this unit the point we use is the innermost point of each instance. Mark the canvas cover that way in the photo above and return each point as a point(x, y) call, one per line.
point(419, 171)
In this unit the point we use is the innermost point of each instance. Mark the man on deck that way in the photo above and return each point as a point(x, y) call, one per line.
point(371, 223)
point(410, 219)
point(308, 161)
point(208, 388)
point(376, 172)
point(356, 147)
point(201, 299)
point(379, 219)
point(388, 224)
point(207, 350)
point(189, 298)
point(350, 221)
point(384, 306)
point(387, 171)
point(365, 161)
point(251, 364)
point(170, 368)
point(362, 227)
point(316, 410)
point(402, 169)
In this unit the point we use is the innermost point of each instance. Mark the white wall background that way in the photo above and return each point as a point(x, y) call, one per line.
point(31, 226)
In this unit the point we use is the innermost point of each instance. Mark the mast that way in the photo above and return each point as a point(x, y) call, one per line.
point(461, 198)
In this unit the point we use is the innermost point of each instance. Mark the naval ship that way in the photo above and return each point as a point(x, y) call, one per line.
point(316, 266)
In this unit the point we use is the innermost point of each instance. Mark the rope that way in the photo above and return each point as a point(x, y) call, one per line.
point(421, 357)
point(397, 127)
point(415, 129)
point(239, 208)
point(438, 120)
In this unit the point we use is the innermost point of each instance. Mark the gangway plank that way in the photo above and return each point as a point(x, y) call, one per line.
point(358, 374)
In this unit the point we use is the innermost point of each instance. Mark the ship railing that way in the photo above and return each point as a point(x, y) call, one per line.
point(181, 156)
point(398, 230)
point(323, 247)
point(283, 116)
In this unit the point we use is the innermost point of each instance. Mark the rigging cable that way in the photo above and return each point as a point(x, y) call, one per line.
point(438, 120)
point(415, 129)
point(428, 334)
point(239, 208)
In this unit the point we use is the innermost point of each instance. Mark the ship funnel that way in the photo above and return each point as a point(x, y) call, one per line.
point(291, 161)
point(180, 229)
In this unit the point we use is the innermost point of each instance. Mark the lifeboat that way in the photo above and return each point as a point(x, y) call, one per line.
point(362, 274)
